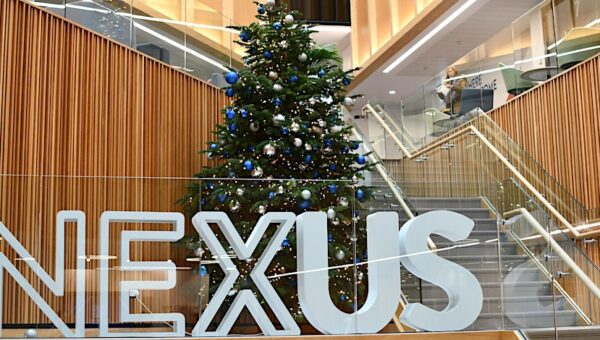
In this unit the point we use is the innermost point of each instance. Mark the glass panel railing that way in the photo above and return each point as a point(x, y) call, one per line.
point(187, 35)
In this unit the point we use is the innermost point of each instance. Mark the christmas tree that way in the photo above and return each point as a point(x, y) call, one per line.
point(284, 147)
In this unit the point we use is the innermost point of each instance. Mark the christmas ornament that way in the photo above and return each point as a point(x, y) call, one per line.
point(273, 75)
point(306, 194)
point(346, 81)
point(278, 119)
point(307, 147)
point(348, 101)
point(234, 206)
point(332, 167)
point(244, 36)
point(243, 113)
point(322, 73)
point(280, 189)
point(269, 150)
point(288, 151)
point(294, 79)
point(330, 213)
point(31, 333)
point(230, 114)
point(270, 3)
point(253, 127)
point(210, 186)
point(317, 130)
point(289, 19)
point(240, 191)
point(304, 204)
point(271, 195)
point(232, 128)
point(198, 252)
point(268, 55)
point(222, 198)
point(360, 159)
point(203, 271)
point(336, 128)
point(277, 102)
point(335, 222)
point(339, 254)
point(343, 201)
point(298, 142)
point(248, 166)
point(332, 188)
point(262, 209)
point(308, 159)
point(316, 174)
point(355, 146)
point(277, 88)
point(261, 9)
point(214, 146)
point(277, 26)
point(258, 172)
point(302, 57)
point(283, 44)
point(251, 149)
point(295, 127)
point(360, 194)
point(328, 142)
point(231, 77)
point(229, 92)
point(285, 131)
point(354, 178)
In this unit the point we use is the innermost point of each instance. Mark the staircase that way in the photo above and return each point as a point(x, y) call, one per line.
point(517, 293)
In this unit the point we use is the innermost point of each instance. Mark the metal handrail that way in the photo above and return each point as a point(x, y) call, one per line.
point(517, 174)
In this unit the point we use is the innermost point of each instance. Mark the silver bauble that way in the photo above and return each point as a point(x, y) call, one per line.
point(277, 88)
point(198, 252)
point(343, 201)
point(354, 178)
point(302, 167)
point(348, 101)
point(335, 222)
point(254, 127)
point(322, 123)
point(297, 142)
point(283, 44)
point(288, 19)
point(302, 57)
point(269, 150)
point(280, 190)
point(234, 206)
point(257, 172)
point(270, 3)
point(240, 191)
point(278, 119)
point(307, 147)
point(340, 254)
point(262, 209)
point(273, 75)
point(312, 101)
point(295, 127)
point(306, 194)
point(336, 128)
point(31, 333)
point(330, 213)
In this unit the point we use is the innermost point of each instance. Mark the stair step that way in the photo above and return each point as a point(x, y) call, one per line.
point(496, 304)
point(481, 224)
point(446, 202)
point(482, 213)
point(490, 289)
point(481, 235)
point(475, 248)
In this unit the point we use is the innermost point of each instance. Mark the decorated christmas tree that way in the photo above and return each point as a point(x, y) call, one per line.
point(284, 146)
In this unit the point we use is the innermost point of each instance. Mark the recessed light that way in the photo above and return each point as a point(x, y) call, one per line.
point(392, 92)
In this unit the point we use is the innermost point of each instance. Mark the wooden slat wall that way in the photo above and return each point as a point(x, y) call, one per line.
point(73, 103)
point(558, 123)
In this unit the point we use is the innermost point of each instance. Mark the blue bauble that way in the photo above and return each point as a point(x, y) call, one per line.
point(345, 150)
point(294, 79)
point(203, 202)
point(248, 166)
point(360, 194)
point(229, 92)
point(355, 146)
point(304, 126)
point(308, 159)
point(316, 174)
point(360, 159)
point(232, 128)
point(231, 77)
point(332, 167)
point(330, 238)
point(285, 242)
point(315, 147)
point(210, 185)
point(231, 174)
point(252, 149)
point(346, 81)
point(304, 204)
point(285, 131)
point(214, 146)
point(244, 113)
point(268, 55)
point(343, 298)
point(277, 26)
point(329, 142)
point(277, 102)
point(287, 151)
point(230, 114)
point(203, 271)
point(222, 198)
point(226, 154)
point(244, 36)
point(332, 188)
point(322, 73)
point(271, 195)
point(261, 9)
point(252, 50)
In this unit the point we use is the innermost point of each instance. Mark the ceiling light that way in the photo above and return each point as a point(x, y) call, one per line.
point(430, 35)
point(392, 92)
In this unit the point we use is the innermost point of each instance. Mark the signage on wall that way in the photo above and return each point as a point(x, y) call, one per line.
point(388, 247)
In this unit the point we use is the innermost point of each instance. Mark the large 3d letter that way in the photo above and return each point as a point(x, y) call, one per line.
point(57, 287)
point(313, 277)
point(245, 297)
point(178, 221)
point(465, 297)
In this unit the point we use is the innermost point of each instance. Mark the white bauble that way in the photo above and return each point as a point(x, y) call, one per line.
point(295, 127)
point(283, 44)
point(31, 333)
point(289, 19)
point(278, 119)
point(302, 57)
point(312, 101)
point(306, 194)
point(280, 190)
point(307, 147)
point(322, 123)
point(234, 206)
point(269, 150)
point(262, 209)
point(270, 3)
point(340, 254)
point(257, 172)
point(277, 88)
point(348, 101)
point(336, 128)
point(330, 213)
point(343, 201)
point(198, 252)
point(240, 191)
point(298, 142)
point(354, 178)
point(273, 75)
point(254, 127)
